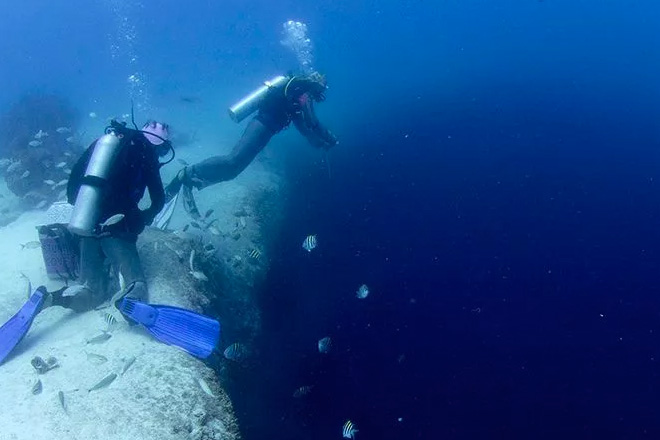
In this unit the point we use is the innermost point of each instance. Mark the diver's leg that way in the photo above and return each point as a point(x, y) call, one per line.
point(124, 257)
point(92, 278)
point(220, 168)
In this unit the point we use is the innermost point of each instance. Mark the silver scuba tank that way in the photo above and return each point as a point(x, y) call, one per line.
point(86, 211)
point(248, 105)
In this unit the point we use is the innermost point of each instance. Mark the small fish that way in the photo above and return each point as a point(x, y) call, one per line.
point(62, 130)
point(235, 352)
point(205, 387)
point(61, 182)
point(214, 230)
point(112, 220)
point(61, 165)
point(25, 174)
point(208, 213)
point(107, 380)
point(191, 260)
point(13, 166)
point(35, 143)
point(195, 225)
point(185, 228)
point(92, 115)
point(242, 222)
point(96, 359)
point(127, 364)
point(71, 139)
point(74, 290)
point(60, 395)
point(41, 134)
point(66, 171)
point(122, 281)
point(31, 245)
point(325, 344)
point(49, 182)
point(348, 431)
point(199, 275)
point(110, 320)
point(362, 292)
point(99, 339)
point(255, 254)
point(37, 387)
point(310, 243)
point(41, 204)
point(302, 391)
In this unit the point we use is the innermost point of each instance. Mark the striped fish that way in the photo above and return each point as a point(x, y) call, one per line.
point(235, 352)
point(348, 431)
point(254, 253)
point(110, 321)
point(310, 243)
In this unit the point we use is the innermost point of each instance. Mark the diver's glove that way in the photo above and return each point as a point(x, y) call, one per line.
point(185, 177)
point(283, 103)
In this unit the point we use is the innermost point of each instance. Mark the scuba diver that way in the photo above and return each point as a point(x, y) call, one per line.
point(105, 187)
point(280, 101)
point(108, 228)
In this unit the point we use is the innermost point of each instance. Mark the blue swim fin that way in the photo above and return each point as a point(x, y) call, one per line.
point(194, 333)
point(15, 329)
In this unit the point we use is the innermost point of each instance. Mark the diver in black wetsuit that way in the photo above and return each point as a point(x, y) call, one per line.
point(292, 100)
point(135, 168)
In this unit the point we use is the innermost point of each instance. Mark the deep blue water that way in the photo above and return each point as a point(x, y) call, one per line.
point(496, 186)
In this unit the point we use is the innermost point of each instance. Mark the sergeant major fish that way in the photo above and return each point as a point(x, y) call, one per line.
point(310, 243)
point(235, 352)
point(348, 431)
point(362, 292)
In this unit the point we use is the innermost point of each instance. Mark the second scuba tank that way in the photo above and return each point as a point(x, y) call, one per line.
point(86, 211)
point(248, 105)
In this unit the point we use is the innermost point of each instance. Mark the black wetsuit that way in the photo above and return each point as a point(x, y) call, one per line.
point(275, 114)
point(135, 169)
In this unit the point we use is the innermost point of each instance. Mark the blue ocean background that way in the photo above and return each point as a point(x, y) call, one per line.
point(496, 185)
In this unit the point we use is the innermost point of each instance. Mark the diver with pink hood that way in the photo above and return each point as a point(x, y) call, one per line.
point(105, 187)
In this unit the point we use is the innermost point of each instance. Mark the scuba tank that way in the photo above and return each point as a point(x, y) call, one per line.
point(85, 216)
point(248, 105)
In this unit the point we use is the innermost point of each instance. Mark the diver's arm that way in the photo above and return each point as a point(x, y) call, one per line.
point(309, 125)
point(156, 194)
